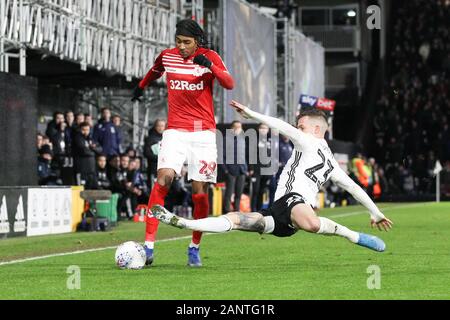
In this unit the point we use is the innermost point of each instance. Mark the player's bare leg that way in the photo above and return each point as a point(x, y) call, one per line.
point(252, 222)
point(159, 192)
point(304, 217)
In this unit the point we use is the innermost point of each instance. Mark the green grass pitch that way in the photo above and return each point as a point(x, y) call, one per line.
point(239, 265)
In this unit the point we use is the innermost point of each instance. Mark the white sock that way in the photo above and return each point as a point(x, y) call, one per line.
point(193, 245)
point(269, 224)
point(149, 244)
point(329, 227)
point(218, 224)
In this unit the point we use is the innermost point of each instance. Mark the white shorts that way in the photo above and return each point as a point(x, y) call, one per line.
point(199, 149)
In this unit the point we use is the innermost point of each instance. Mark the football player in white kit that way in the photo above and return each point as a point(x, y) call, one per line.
point(310, 166)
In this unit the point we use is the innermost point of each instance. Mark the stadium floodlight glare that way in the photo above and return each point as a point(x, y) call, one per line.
point(351, 13)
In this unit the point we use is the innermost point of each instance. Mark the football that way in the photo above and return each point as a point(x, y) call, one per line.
point(130, 255)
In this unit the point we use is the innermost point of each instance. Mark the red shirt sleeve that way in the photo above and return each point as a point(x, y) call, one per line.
point(220, 71)
point(154, 73)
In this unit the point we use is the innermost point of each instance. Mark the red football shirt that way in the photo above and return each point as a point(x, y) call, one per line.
point(190, 88)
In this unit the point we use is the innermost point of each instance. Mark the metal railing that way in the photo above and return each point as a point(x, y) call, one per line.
point(121, 36)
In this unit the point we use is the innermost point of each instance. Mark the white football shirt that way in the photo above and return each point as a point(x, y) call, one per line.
point(311, 165)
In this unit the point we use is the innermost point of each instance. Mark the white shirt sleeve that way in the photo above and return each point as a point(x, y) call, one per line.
point(297, 137)
point(341, 179)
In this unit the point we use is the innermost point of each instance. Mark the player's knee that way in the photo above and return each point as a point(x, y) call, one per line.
point(315, 226)
point(200, 187)
point(165, 181)
point(311, 224)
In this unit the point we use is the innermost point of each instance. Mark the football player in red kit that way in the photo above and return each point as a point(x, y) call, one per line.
point(190, 136)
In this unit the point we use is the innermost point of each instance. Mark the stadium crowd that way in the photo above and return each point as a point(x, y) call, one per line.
point(412, 118)
point(75, 151)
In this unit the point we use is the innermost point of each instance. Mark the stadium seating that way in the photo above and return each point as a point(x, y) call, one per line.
point(411, 125)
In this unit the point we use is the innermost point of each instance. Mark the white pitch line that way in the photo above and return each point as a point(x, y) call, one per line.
point(78, 252)
point(181, 238)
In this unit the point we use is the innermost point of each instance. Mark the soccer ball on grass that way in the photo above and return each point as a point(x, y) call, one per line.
point(130, 255)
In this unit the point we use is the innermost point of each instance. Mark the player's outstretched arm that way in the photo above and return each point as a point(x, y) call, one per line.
point(295, 135)
point(341, 179)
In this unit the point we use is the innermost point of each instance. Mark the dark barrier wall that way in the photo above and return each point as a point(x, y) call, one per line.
point(13, 212)
point(18, 119)
point(338, 146)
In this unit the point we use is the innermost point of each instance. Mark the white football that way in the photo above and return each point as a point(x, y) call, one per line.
point(130, 255)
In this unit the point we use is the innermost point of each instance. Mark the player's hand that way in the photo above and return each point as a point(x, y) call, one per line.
point(240, 108)
point(203, 61)
point(137, 94)
point(385, 223)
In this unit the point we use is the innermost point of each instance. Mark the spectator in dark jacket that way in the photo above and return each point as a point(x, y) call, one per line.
point(70, 121)
point(62, 160)
point(105, 134)
point(263, 153)
point(139, 181)
point(113, 165)
point(45, 172)
point(59, 139)
point(103, 182)
point(88, 118)
point(79, 119)
point(69, 117)
point(67, 174)
point(124, 187)
point(135, 186)
point(52, 127)
point(114, 174)
point(84, 151)
point(151, 149)
point(235, 167)
point(117, 121)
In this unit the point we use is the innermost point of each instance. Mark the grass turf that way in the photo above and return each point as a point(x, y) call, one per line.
point(239, 265)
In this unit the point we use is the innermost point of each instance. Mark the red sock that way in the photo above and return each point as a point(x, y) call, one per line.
point(201, 210)
point(156, 197)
